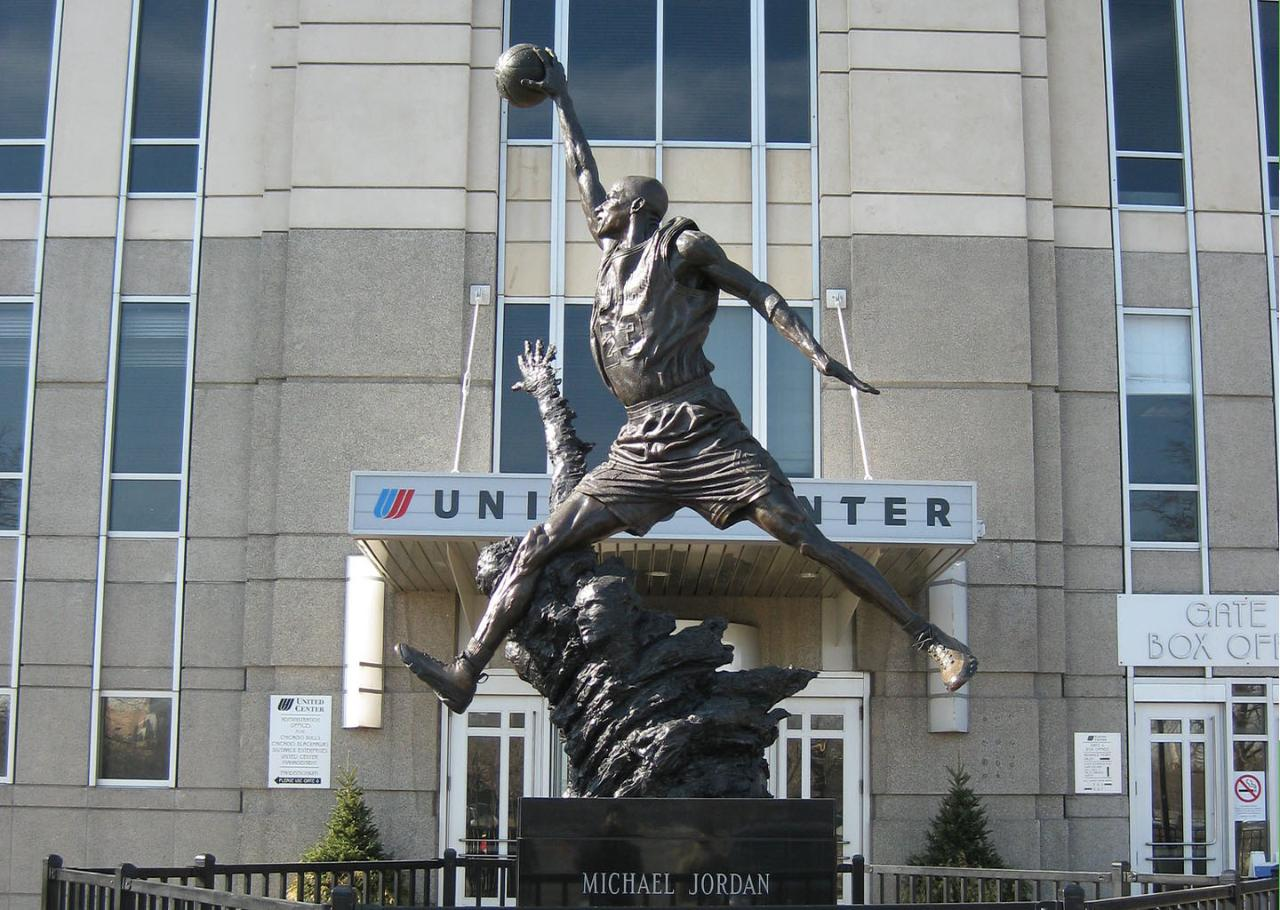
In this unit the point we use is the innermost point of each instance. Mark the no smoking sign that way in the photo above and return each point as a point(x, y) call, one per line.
point(1249, 796)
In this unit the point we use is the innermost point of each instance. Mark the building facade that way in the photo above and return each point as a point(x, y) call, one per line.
point(265, 268)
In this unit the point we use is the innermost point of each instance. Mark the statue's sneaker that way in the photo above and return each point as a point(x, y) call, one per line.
point(454, 683)
point(955, 661)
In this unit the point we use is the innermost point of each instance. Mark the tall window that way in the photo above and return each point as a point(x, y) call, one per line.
point(1163, 491)
point(1269, 48)
point(26, 49)
point(15, 360)
point(167, 96)
point(1146, 102)
point(150, 417)
point(726, 124)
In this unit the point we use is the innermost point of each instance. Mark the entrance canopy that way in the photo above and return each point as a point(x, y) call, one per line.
point(424, 532)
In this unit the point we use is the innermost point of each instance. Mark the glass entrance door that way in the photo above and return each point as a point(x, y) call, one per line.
point(496, 754)
point(1177, 813)
point(818, 755)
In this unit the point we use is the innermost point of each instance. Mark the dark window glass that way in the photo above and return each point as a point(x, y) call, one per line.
point(523, 449)
point(170, 70)
point(1162, 439)
point(1144, 69)
point(1163, 516)
point(1150, 181)
point(1268, 13)
point(1273, 184)
point(790, 400)
point(144, 505)
point(728, 348)
point(706, 81)
point(786, 70)
point(21, 168)
point(10, 501)
point(163, 169)
point(4, 734)
point(1249, 719)
point(151, 382)
point(613, 67)
point(15, 353)
point(134, 739)
point(531, 21)
point(26, 49)
point(600, 416)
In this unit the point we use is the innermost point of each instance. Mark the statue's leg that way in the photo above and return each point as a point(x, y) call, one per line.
point(578, 522)
point(780, 514)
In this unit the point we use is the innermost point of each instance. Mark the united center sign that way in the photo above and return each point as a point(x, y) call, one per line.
point(500, 505)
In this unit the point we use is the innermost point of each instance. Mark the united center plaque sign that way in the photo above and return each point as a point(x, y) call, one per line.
point(676, 852)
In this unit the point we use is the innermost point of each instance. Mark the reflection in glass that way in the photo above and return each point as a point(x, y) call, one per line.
point(1144, 69)
point(786, 70)
point(789, 394)
point(1166, 726)
point(515, 720)
point(170, 70)
point(1247, 690)
point(826, 776)
point(21, 168)
point(613, 67)
point(1166, 807)
point(1162, 439)
point(600, 416)
point(515, 787)
point(1249, 719)
point(728, 348)
point(163, 168)
point(1268, 22)
point(1149, 181)
point(151, 380)
point(26, 50)
point(484, 719)
point(707, 84)
point(534, 22)
point(827, 721)
point(482, 812)
point(794, 769)
point(1164, 516)
point(134, 738)
point(15, 352)
point(145, 505)
point(10, 503)
point(523, 448)
point(1199, 826)
point(5, 699)
point(1249, 755)
point(1197, 726)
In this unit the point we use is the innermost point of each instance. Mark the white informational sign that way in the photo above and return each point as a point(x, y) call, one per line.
point(1197, 630)
point(501, 505)
point(1249, 796)
point(1098, 767)
point(301, 734)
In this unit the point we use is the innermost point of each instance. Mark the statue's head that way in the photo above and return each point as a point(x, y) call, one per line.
point(631, 198)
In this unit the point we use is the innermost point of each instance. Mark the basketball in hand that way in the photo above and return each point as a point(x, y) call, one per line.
point(520, 62)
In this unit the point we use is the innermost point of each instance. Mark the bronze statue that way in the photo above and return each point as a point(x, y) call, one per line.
point(684, 443)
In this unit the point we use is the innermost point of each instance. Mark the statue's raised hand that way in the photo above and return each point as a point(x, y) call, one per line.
point(553, 83)
point(537, 367)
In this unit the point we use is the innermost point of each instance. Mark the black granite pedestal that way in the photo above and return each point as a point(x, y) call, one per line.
point(676, 852)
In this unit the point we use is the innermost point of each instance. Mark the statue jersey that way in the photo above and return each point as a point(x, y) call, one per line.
point(647, 329)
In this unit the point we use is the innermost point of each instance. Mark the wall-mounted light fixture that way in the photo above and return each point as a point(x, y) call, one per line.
point(362, 645)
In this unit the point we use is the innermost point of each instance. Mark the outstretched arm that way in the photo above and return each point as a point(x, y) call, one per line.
point(577, 150)
point(698, 251)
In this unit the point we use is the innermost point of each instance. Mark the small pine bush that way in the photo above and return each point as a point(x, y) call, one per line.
point(350, 835)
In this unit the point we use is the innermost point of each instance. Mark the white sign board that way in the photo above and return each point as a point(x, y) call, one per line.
point(1197, 630)
point(1098, 767)
point(501, 505)
point(301, 734)
point(1249, 796)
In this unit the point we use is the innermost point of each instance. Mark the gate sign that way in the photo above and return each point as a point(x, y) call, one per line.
point(1249, 796)
point(501, 505)
point(1197, 630)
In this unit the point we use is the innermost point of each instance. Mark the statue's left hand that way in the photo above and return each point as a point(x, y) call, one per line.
point(536, 366)
point(554, 83)
point(837, 370)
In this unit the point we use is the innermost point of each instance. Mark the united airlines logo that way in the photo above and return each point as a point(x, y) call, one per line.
point(392, 503)
point(284, 704)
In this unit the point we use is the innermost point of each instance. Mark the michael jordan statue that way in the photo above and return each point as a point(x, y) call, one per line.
point(684, 443)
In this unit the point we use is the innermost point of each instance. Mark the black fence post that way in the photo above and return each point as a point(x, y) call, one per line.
point(342, 897)
point(203, 864)
point(124, 897)
point(449, 878)
point(859, 895)
point(48, 890)
point(1073, 897)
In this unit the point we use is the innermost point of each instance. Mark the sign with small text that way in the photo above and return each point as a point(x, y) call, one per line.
point(300, 738)
point(1098, 763)
point(1249, 796)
